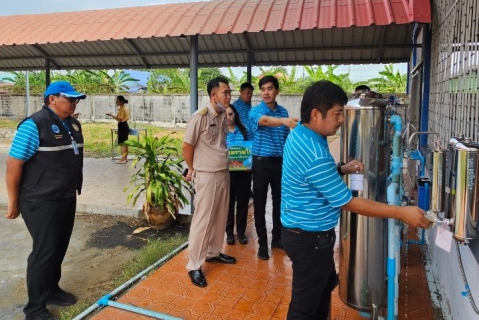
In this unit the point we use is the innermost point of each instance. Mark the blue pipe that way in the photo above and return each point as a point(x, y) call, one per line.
point(127, 284)
point(127, 307)
point(394, 196)
point(396, 164)
point(426, 69)
point(391, 260)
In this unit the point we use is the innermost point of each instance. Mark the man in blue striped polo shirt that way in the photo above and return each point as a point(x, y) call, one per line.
point(270, 123)
point(313, 194)
point(243, 104)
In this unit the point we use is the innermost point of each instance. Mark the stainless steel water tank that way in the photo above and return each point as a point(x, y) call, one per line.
point(363, 240)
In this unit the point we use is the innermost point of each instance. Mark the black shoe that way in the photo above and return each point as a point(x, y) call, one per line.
point(222, 258)
point(242, 239)
point(277, 243)
point(263, 252)
point(62, 298)
point(44, 315)
point(230, 239)
point(197, 278)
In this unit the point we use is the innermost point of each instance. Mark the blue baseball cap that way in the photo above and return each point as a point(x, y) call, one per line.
point(64, 88)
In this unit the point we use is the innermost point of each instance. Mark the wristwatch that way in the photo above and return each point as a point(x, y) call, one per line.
point(338, 167)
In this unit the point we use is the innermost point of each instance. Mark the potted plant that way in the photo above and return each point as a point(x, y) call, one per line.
point(157, 173)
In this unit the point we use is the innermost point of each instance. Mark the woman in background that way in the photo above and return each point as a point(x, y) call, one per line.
point(240, 181)
point(122, 117)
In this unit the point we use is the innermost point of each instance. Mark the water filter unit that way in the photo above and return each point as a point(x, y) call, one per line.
point(465, 207)
point(363, 240)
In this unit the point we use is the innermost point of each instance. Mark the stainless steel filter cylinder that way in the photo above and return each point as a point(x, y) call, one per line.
point(363, 240)
point(450, 175)
point(438, 187)
point(465, 210)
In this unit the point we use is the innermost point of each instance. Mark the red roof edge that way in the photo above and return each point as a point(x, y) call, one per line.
point(420, 11)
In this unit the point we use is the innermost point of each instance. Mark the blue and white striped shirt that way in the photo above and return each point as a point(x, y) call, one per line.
point(268, 141)
point(26, 141)
point(236, 135)
point(243, 111)
point(312, 192)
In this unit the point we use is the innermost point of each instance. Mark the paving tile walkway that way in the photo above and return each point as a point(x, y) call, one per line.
point(252, 288)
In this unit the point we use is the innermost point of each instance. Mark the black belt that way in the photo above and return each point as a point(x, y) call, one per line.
point(270, 159)
point(301, 231)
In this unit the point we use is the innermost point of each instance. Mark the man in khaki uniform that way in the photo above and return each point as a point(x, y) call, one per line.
point(205, 153)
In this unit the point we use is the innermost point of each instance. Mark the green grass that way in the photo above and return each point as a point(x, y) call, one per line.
point(8, 123)
point(98, 136)
point(155, 250)
point(152, 252)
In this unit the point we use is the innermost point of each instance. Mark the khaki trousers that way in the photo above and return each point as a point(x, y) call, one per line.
point(207, 230)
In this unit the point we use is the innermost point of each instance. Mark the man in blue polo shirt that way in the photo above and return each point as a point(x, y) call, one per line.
point(313, 194)
point(243, 104)
point(44, 175)
point(270, 123)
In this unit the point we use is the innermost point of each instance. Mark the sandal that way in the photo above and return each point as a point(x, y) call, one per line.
point(122, 161)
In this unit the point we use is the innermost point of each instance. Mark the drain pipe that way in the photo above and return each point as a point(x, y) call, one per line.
point(105, 300)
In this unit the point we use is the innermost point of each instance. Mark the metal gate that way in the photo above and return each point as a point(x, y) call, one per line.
point(453, 107)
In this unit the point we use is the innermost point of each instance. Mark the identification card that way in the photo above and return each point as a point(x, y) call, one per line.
point(75, 147)
point(444, 239)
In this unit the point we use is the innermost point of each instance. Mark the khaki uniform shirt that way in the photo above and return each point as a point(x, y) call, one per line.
point(206, 132)
point(123, 114)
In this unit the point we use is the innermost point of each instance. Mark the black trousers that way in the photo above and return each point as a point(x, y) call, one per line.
point(50, 224)
point(240, 183)
point(314, 273)
point(267, 172)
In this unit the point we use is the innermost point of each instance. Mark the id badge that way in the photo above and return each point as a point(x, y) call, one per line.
point(75, 147)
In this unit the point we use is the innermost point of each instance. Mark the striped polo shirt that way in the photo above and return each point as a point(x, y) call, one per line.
point(268, 141)
point(243, 111)
point(312, 192)
point(236, 135)
point(26, 141)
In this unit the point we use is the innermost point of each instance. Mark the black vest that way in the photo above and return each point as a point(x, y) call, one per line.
point(54, 171)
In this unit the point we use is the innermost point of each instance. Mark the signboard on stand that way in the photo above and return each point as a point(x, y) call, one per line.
point(240, 154)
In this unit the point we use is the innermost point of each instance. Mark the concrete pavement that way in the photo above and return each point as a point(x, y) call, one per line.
point(102, 192)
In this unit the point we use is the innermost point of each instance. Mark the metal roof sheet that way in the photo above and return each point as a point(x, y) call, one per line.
point(274, 32)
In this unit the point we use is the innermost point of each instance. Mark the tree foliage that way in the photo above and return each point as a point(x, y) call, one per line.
point(390, 81)
point(167, 81)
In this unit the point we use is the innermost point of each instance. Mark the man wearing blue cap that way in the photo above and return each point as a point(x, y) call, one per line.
point(44, 174)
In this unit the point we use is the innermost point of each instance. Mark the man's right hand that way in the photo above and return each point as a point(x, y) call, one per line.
point(290, 122)
point(414, 217)
point(12, 210)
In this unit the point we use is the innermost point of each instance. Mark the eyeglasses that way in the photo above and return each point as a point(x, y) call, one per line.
point(72, 100)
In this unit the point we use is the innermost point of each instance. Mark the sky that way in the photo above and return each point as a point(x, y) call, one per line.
point(18, 7)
